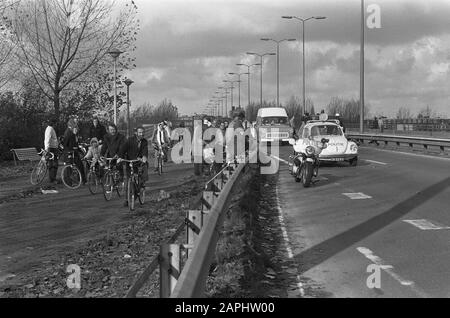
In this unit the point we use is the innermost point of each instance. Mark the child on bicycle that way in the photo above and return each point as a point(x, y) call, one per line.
point(94, 154)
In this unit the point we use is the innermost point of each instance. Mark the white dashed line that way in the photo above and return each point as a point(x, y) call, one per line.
point(426, 225)
point(287, 241)
point(357, 196)
point(390, 270)
point(377, 162)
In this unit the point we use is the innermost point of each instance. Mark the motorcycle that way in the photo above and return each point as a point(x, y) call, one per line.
point(305, 161)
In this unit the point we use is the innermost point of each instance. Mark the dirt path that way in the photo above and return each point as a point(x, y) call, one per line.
point(34, 228)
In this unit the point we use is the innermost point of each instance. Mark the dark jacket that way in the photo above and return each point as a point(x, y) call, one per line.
point(98, 132)
point(131, 150)
point(70, 141)
point(112, 144)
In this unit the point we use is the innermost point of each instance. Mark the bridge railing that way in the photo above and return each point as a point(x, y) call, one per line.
point(426, 143)
point(183, 268)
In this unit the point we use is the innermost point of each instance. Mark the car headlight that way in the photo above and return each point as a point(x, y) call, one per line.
point(310, 150)
point(353, 148)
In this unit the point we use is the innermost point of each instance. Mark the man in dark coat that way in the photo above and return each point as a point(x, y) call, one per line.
point(70, 143)
point(112, 142)
point(136, 148)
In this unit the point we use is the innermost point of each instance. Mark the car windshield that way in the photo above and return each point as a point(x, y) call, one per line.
point(272, 121)
point(325, 130)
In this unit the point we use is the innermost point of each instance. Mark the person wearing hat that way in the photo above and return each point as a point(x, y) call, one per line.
point(51, 144)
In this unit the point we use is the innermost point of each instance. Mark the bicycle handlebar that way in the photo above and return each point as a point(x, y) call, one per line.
point(43, 153)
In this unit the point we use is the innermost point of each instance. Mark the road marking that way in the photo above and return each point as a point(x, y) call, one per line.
point(357, 196)
point(426, 225)
point(286, 239)
point(279, 159)
point(410, 154)
point(377, 162)
point(390, 270)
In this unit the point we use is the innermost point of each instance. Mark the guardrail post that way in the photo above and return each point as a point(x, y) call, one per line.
point(170, 268)
point(194, 225)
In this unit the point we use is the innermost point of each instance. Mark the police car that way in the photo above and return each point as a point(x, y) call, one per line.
point(338, 149)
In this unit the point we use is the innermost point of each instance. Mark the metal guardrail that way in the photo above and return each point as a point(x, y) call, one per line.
point(202, 235)
point(442, 144)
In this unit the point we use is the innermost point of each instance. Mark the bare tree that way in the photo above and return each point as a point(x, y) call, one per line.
point(8, 63)
point(427, 112)
point(403, 113)
point(60, 41)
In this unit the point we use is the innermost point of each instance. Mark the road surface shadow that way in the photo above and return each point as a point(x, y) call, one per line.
point(321, 252)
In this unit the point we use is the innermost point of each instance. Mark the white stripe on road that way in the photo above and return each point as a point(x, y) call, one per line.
point(390, 270)
point(409, 154)
point(426, 225)
point(286, 240)
point(279, 159)
point(377, 162)
point(357, 196)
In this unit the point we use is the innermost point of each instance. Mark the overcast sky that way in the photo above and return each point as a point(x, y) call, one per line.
point(186, 48)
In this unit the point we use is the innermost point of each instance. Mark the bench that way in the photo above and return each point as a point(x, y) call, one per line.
point(25, 154)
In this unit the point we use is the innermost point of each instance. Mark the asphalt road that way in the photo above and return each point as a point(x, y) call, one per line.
point(401, 223)
point(33, 229)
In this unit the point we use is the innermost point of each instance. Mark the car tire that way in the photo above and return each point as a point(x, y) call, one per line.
point(353, 162)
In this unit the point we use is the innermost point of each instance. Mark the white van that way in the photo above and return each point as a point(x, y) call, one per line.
point(272, 124)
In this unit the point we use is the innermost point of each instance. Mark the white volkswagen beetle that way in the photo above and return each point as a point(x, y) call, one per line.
point(338, 148)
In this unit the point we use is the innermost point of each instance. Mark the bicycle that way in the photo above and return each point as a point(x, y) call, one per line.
point(112, 180)
point(93, 177)
point(40, 170)
point(160, 157)
point(135, 186)
point(70, 174)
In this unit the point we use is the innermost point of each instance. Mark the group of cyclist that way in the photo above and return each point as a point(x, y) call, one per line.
point(103, 144)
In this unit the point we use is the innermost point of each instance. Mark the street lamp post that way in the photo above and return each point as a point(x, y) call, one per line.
point(115, 53)
point(248, 84)
point(261, 59)
point(303, 58)
point(128, 82)
point(239, 81)
point(226, 100)
point(231, 90)
point(278, 63)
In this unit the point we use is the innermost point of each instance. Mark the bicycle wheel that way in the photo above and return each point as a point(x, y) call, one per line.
point(141, 195)
point(160, 164)
point(131, 194)
point(119, 184)
point(108, 186)
point(39, 172)
point(93, 182)
point(71, 177)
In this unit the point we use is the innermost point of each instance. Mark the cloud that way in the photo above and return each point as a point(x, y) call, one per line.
point(186, 48)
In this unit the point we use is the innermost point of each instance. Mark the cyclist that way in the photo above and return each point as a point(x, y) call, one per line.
point(160, 142)
point(112, 142)
point(70, 143)
point(94, 154)
point(136, 148)
point(51, 144)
